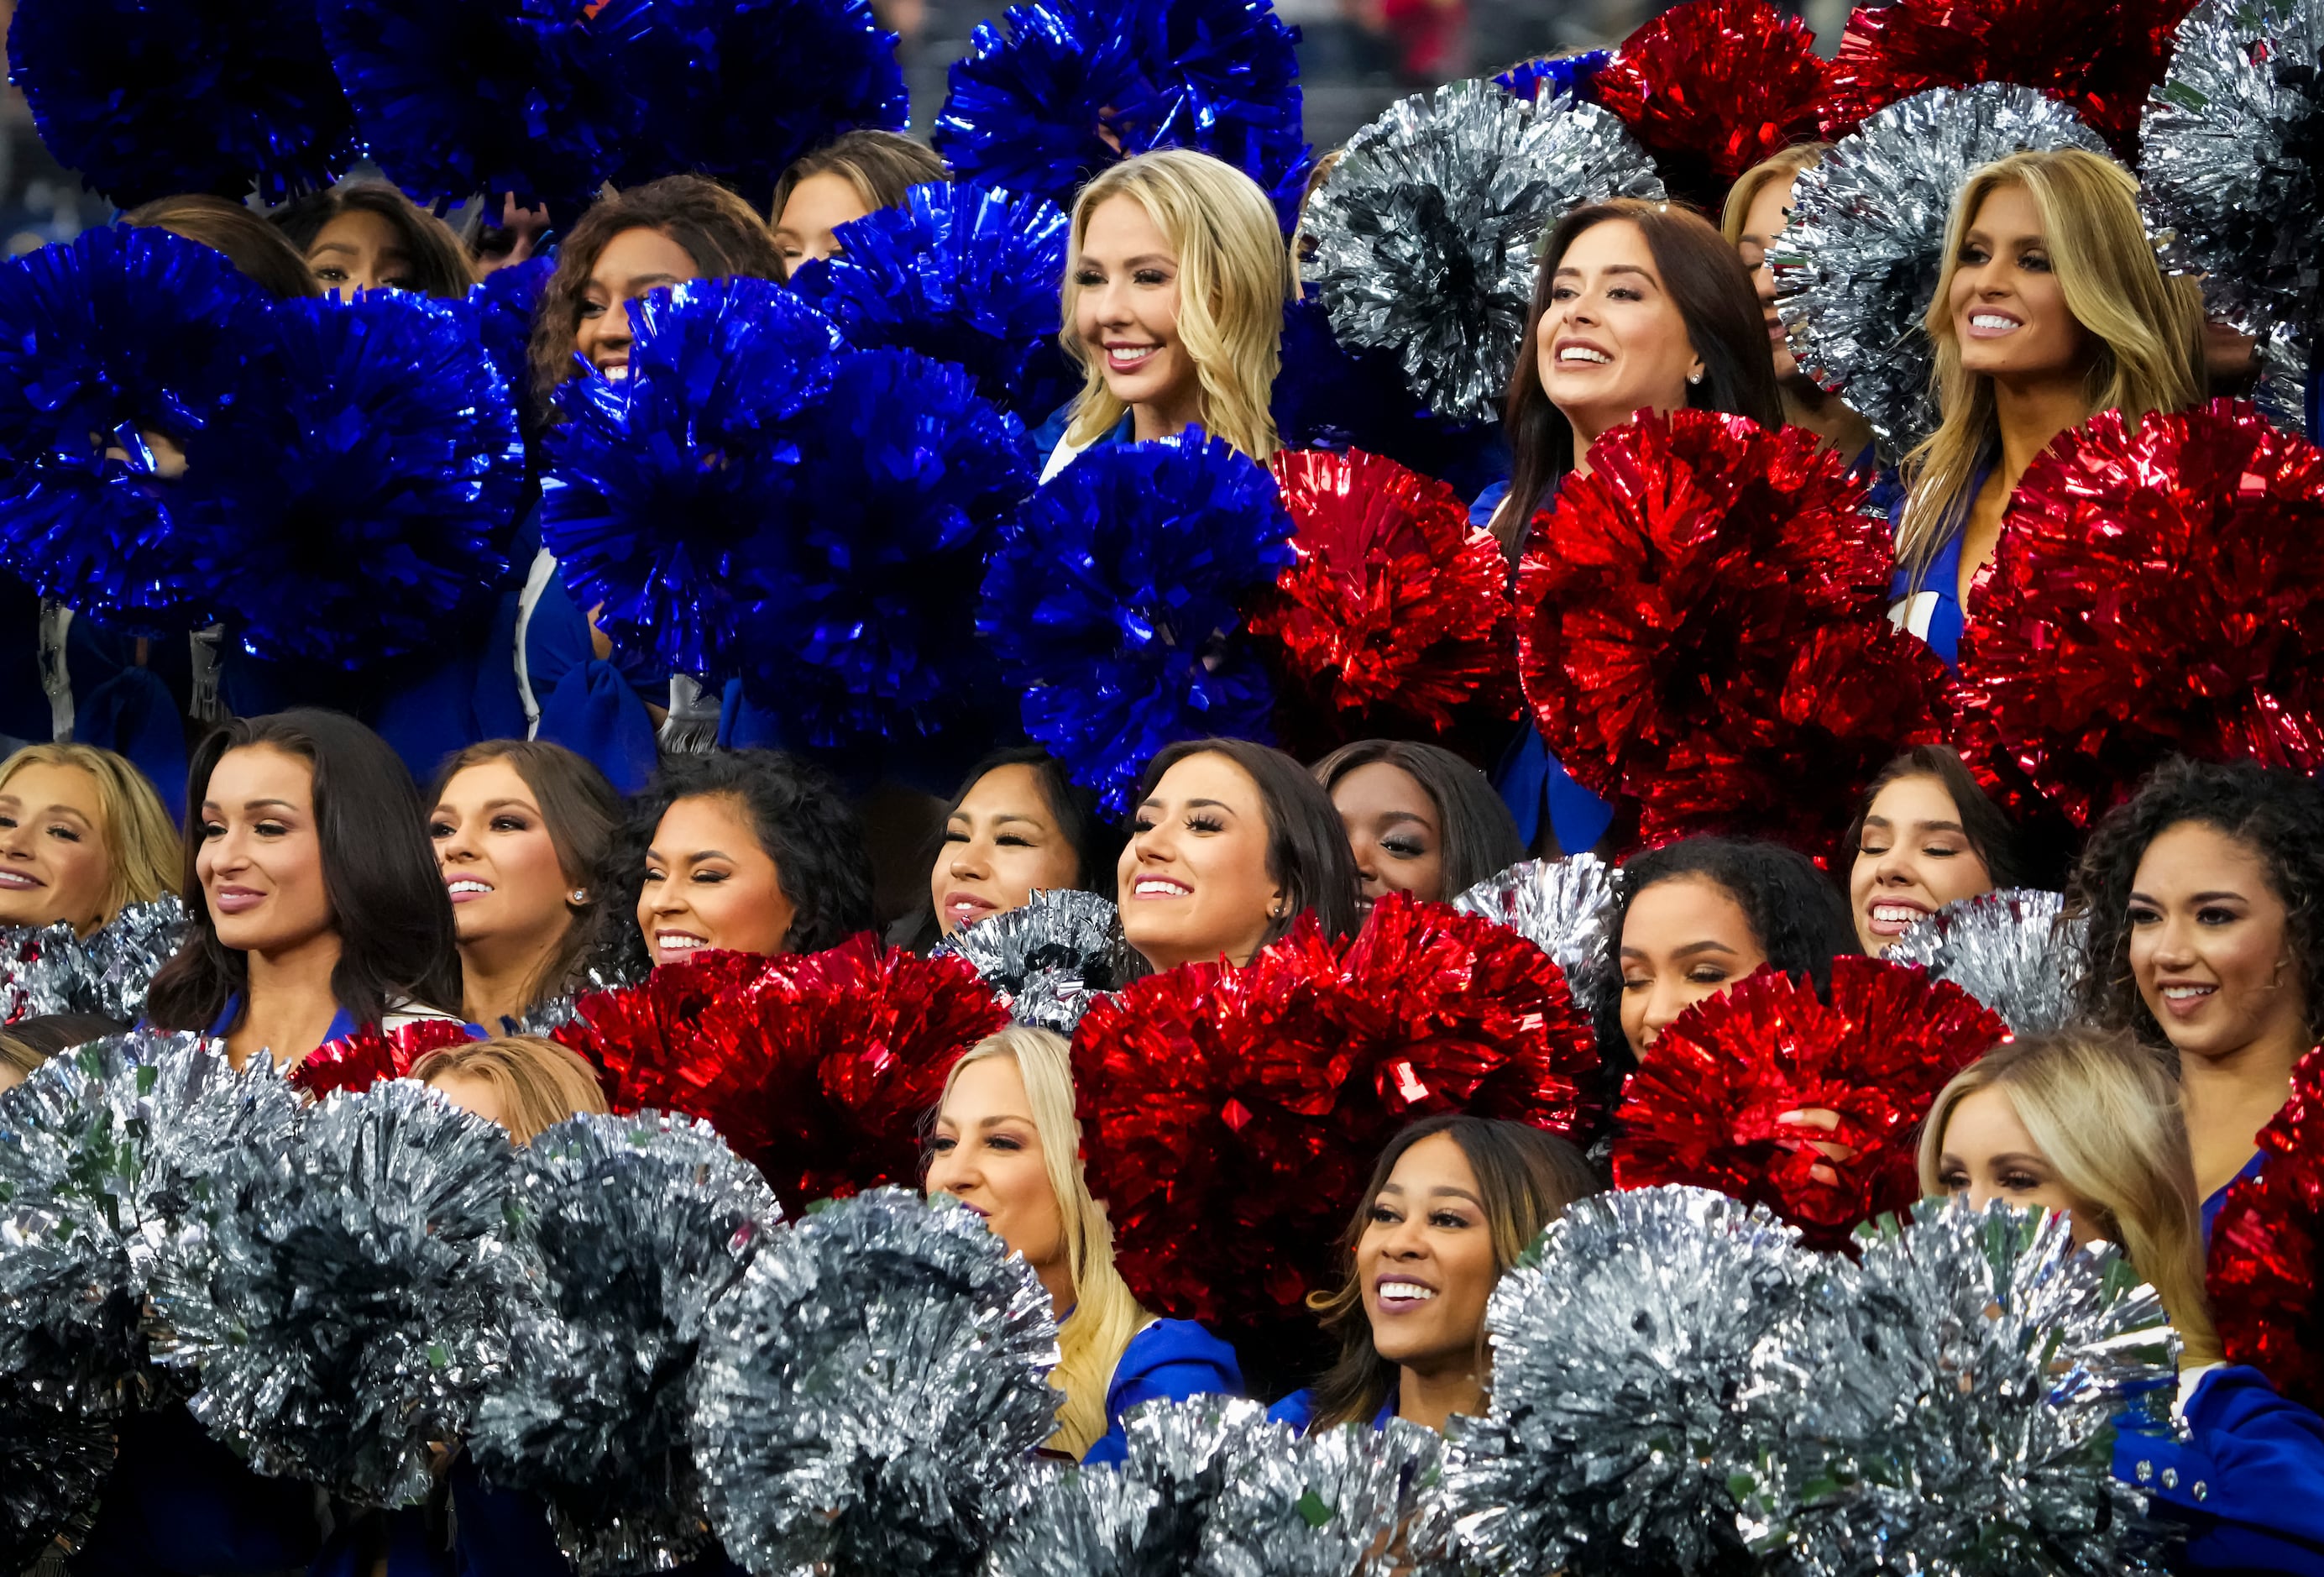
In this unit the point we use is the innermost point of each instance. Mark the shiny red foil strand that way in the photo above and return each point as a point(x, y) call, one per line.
point(2101, 57)
point(818, 1067)
point(1395, 619)
point(1701, 1107)
point(1702, 628)
point(2157, 591)
point(359, 1061)
point(2266, 1256)
point(1230, 1117)
point(1711, 87)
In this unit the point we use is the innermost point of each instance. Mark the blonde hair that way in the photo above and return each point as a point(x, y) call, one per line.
point(2106, 1115)
point(1785, 166)
point(1234, 276)
point(141, 844)
point(539, 1084)
point(1104, 1316)
point(2148, 328)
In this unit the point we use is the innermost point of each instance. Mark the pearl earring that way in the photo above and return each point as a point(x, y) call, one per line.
point(1694, 377)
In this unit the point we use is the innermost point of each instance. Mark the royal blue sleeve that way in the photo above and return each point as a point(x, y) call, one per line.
point(1172, 1360)
point(1481, 508)
point(2247, 1483)
point(1298, 1410)
point(595, 707)
point(178, 1501)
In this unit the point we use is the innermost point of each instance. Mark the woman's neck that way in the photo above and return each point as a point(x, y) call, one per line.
point(287, 1004)
point(2030, 414)
point(1057, 1279)
point(1428, 1397)
point(1832, 419)
point(1164, 420)
point(2230, 1098)
point(498, 976)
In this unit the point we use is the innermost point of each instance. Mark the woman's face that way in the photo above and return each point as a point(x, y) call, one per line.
point(261, 859)
point(54, 865)
point(710, 883)
point(1913, 859)
point(1987, 1155)
point(1426, 1260)
point(1001, 846)
point(1125, 311)
point(986, 1153)
point(1763, 221)
point(2009, 314)
point(498, 864)
point(815, 208)
point(360, 251)
point(1682, 940)
point(633, 264)
point(1193, 881)
point(1612, 342)
point(2209, 945)
point(1395, 831)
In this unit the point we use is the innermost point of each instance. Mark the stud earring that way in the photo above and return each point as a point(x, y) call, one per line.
point(1694, 377)
point(579, 895)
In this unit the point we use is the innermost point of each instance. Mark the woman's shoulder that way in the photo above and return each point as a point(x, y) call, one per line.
point(1176, 1359)
point(1296, 1410)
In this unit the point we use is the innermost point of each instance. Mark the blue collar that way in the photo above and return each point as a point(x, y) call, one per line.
point(343, 1023)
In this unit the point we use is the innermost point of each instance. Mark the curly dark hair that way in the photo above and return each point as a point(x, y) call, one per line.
point(2279, 814)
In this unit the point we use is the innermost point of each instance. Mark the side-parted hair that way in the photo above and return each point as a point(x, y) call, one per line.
point(1105, 1314)
point(396, 942)
point(881, 166)
point(28, 1042)
point(1481, 835)
point(1992, 836)
point(439, 264)
point(539, 1082)
point(1725, 327)
point(1235, 276)
point(1096, 841)
point(2106, 1115)
point(1307, 854)
point(261, 252)
point(1528, 1178)
point(1736, 211)
point(719, 231)
point(141, 845)
point(2146, 329)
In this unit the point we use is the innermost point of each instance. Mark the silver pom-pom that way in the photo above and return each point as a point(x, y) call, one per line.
point(53, 1461)
point(2013, 950)
point(1560, 906)
point(1615, 1424)
point(106, 972)
point(869, 1398)
point(1948, 1406)
point(640, 1224)
point(1426, 233)
point(348, 1296)
point(1335, 1503)
point(610, 972)
point(1858, 262)
point(1048, 960)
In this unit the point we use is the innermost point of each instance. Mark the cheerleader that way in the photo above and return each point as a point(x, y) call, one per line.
point(1017, 826)
point(1453, 1202)
point(1005, 1144)
point(520, 1082)
point(315, 903)
point(1926, 836)
point(524, 836)
point(1229, 844)
point(1174, 297)
point(260, 250)
point(1419, 819)
point(2200, 895)
point(2050, 309)
point(1757, 209)
point(366, 235)
point(82, 836)
point(855, 175)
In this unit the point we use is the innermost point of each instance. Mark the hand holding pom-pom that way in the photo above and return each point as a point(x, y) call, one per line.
point(1713, 87)
point(2267, 1248)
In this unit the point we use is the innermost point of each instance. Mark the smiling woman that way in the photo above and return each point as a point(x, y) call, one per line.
point(82, 835)
point(1019, 826)
point(1419, 818)
point(1926, 836)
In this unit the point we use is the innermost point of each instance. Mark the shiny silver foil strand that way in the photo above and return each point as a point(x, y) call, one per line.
point(1332, 1503)
point(1560, 906)
point(55, 969)
point(2014, 950)
point(1049, 960)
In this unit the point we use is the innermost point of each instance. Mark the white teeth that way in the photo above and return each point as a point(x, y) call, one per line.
point(1160, 885)
point(1991, 321)
point(1582, 353)
point(1406, 1291)
point(1900, 914)
point(620, 375)
point(465, 886)
point(669, 942)
point(10, 879)
point(1125, 358)
point(2184, 993)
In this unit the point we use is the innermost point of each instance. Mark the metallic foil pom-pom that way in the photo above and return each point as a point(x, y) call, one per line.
point(1048, 960)
point(1560, 905)
point(1334, 1503)
point(641, 1224)
point(348, 1296)
point(1618, 1343)
point(1426, 231)
point(53, 1461)
point(1086, 1522)
point(2011, 950)
point(1856, 266)
point(55, 969)
point(1949, 1405)
point(2266, 1246)
point(870, 1397)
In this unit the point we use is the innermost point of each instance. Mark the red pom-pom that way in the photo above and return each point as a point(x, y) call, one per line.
point(1395, 619)
point(1702, 627)
point(816, 1068)
point(358, 1061)
point(1229, 1117)
point(1702, 1108)
point(2101, 57)
point(1713, 87)
point(2265, 1249)
point(2156, 593)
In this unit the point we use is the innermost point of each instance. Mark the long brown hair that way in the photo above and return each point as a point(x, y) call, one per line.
point(263, 255)
point(881, 166)
point(1724, 326)
point(439, 264)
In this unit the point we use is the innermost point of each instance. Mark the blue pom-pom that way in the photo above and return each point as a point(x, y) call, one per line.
point(1551, 76)
point(505, 301)
point(361, 484)
point(1327, 397)
point(124, 341)
point(666, 491)
point(965, 275)
point(457, 97)
point(1024, 110)
point(905, 477)
point(194, 96)
point(1116, 603)
point(740, 88)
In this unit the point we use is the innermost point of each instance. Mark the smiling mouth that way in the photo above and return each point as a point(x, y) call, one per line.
point(1159, 887)
point(2186, 993)
point(1894, 919)
point(1394, 1294)
point(18, 881)
point(678, 941)
point(1126, 356)
point(1583, 356)
point(466, 887)
point(1993, 322)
